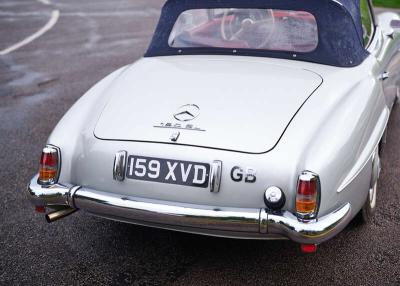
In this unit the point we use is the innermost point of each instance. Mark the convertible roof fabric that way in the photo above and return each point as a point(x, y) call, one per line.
point(340, 40)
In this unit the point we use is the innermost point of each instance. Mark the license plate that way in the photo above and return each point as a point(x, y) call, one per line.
point(168, 171)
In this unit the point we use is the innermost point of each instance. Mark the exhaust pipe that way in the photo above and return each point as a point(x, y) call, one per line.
point(56, 215)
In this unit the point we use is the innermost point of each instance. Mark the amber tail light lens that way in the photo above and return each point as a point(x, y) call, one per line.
point(308, 195)
point(49, 166)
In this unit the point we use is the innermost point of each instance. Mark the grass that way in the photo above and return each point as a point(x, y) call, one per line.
point(387, 3)
point(366, 20)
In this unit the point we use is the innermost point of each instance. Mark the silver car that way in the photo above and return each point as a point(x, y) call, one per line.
point(244, 119)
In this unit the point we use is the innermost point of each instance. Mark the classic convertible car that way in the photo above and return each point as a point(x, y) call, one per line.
point(245, 119)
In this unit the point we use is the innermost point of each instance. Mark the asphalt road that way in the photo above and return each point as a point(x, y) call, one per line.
point(41, 80)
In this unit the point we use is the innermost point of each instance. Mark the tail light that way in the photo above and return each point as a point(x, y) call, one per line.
point(49, 166)
point(308, 195)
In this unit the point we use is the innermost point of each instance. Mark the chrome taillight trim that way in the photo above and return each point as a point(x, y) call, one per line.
point(57, 150)
point(308, 176)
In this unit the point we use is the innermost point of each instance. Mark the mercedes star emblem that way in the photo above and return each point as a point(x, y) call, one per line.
point(187, 112)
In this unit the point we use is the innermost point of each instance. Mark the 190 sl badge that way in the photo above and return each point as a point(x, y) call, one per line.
point(184, 114)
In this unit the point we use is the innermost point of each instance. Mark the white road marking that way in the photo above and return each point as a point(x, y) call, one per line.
point(55, 15)
point(44, 2)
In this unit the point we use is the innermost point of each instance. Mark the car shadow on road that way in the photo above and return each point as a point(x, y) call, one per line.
point(173, 257)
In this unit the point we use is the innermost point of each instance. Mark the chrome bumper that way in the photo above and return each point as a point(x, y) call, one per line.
point(215, 221)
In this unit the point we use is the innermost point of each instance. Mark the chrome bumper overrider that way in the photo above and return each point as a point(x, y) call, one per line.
point(227, 222)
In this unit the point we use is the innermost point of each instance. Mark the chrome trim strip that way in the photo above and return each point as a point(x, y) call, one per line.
point(337, 2)
point(216, 221)
point(375, 44)
point(215, 177)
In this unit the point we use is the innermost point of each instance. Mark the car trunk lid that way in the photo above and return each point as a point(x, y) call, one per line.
point(233, 104)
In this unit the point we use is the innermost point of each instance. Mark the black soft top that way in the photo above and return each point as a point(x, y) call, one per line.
point(340, 30)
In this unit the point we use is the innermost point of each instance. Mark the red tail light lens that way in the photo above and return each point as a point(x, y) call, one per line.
point(308, 248)
point(308, 195)
point(49, 166)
